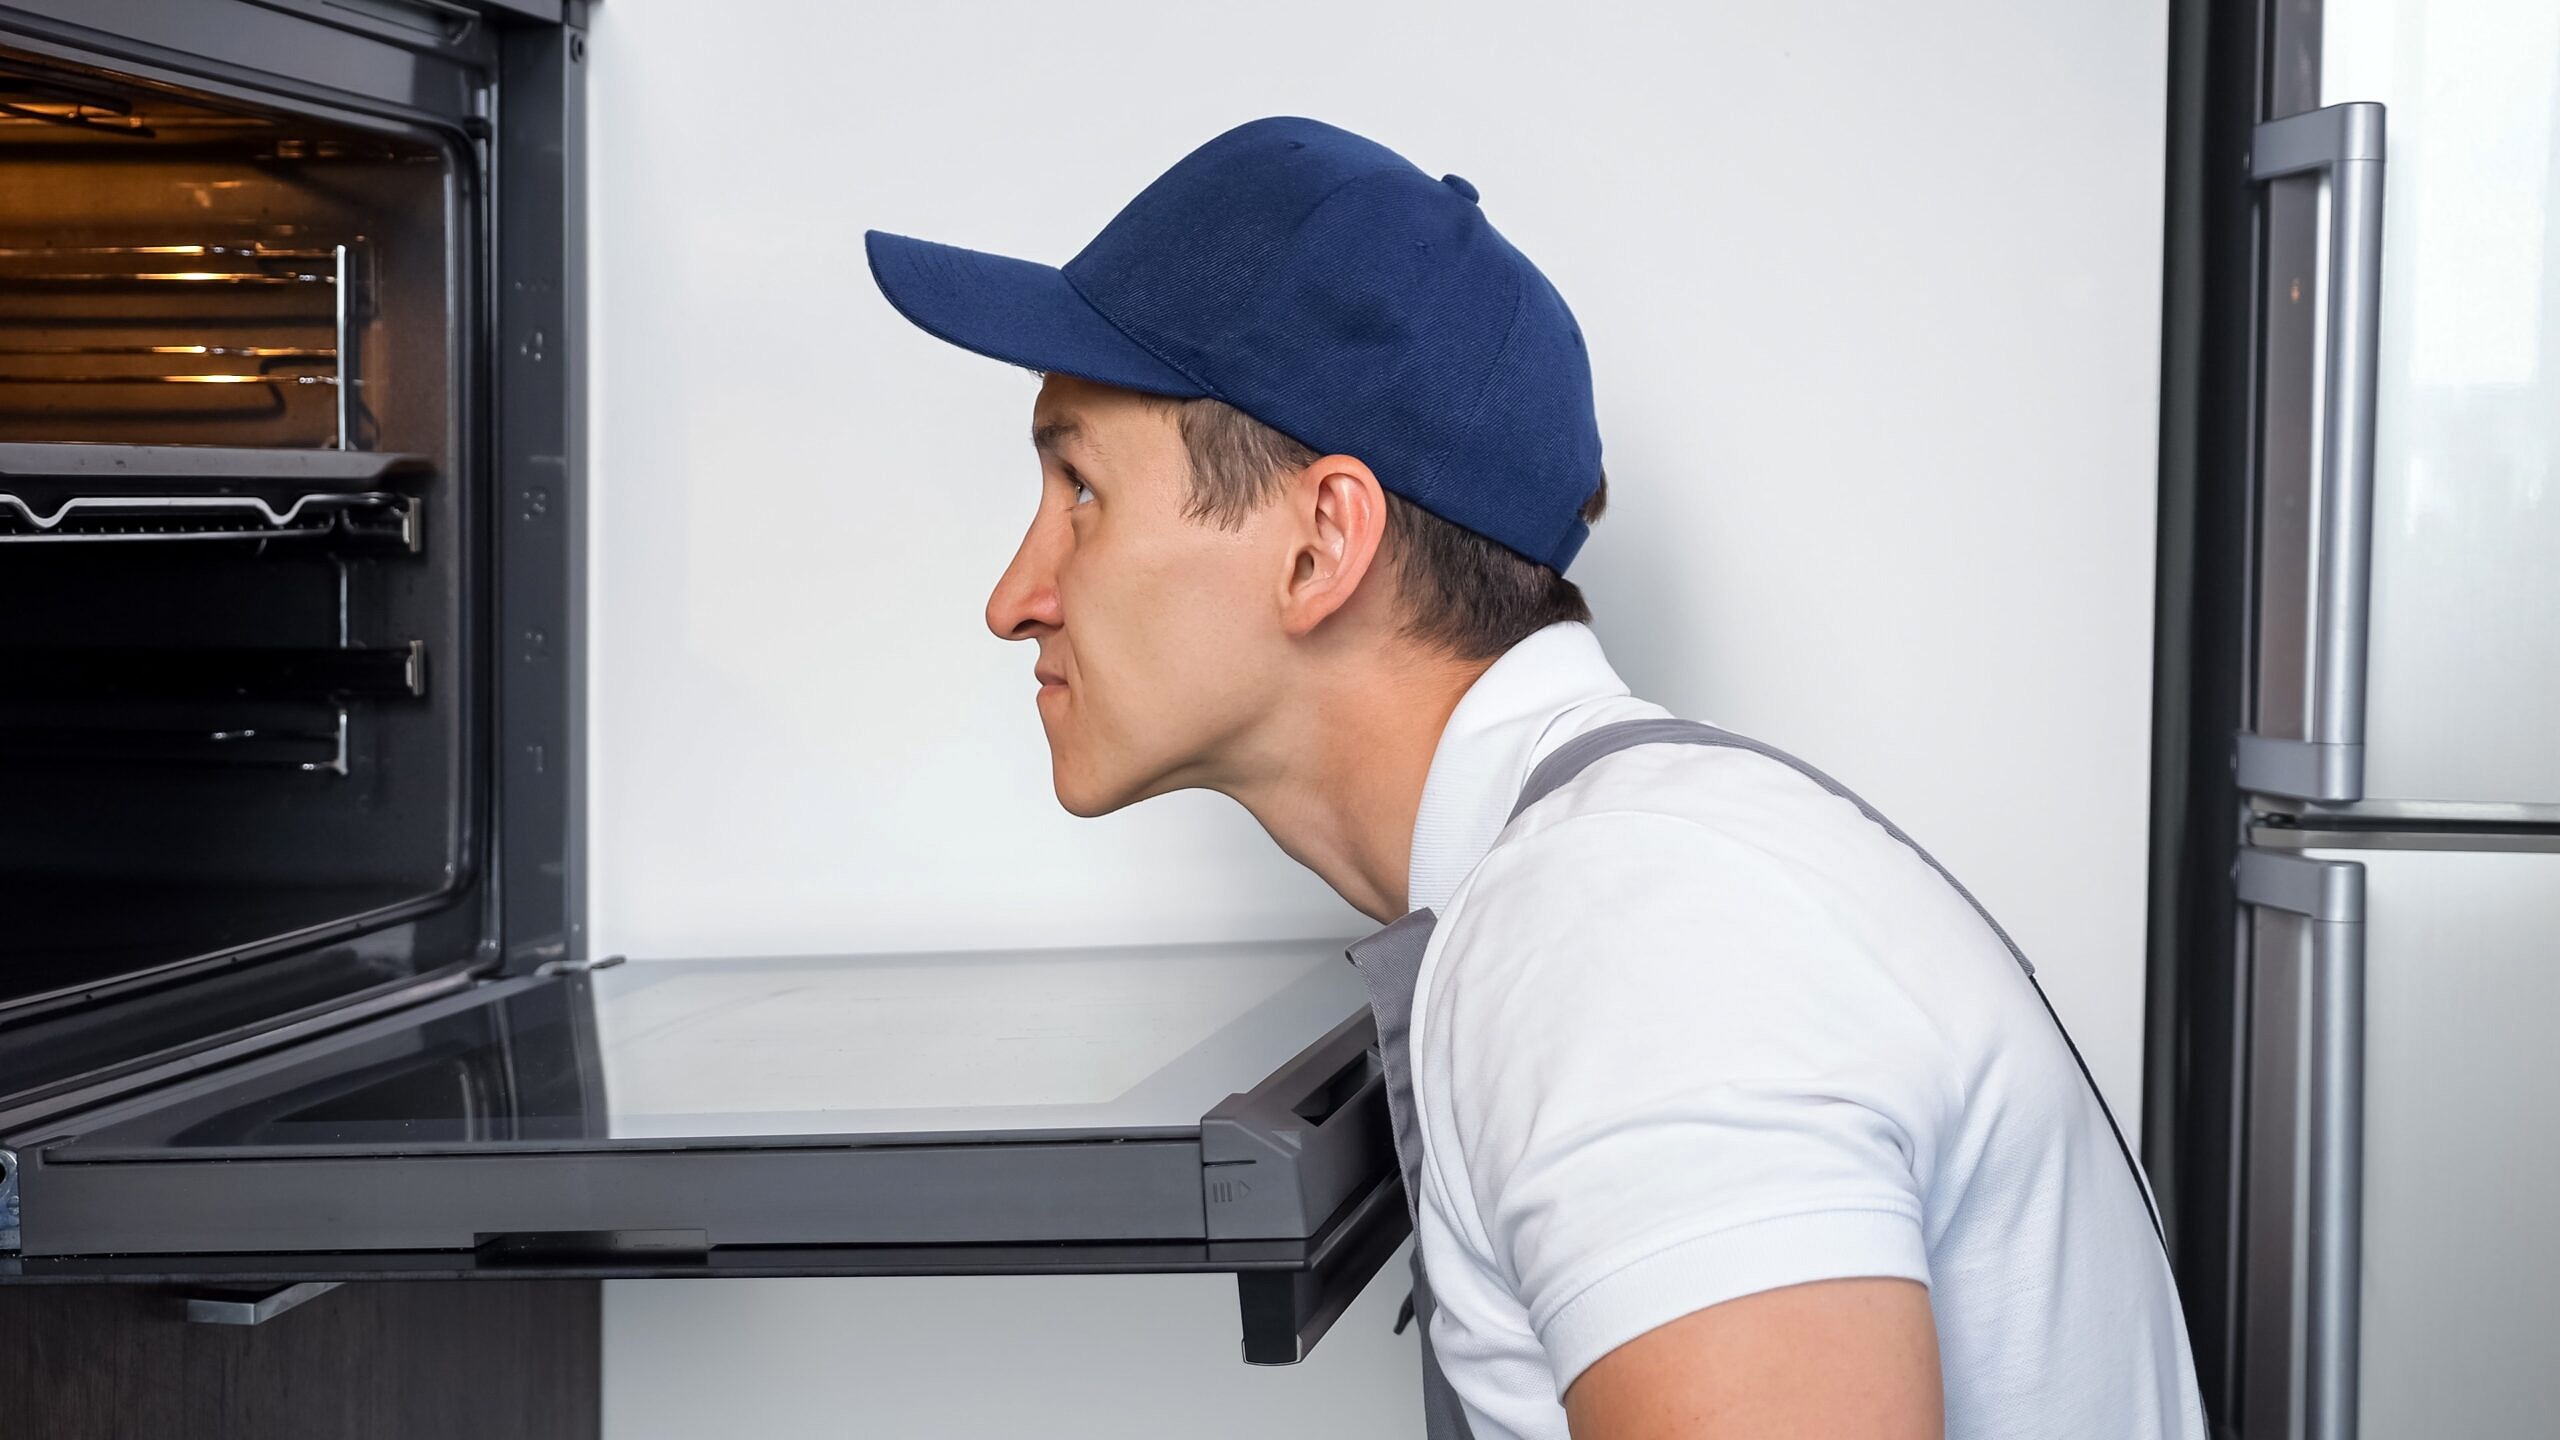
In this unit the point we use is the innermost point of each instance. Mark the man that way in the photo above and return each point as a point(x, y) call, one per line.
point(1723, 1110)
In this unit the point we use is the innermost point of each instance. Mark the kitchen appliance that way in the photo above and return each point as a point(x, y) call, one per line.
point(292, 985)
point(2351, 1103)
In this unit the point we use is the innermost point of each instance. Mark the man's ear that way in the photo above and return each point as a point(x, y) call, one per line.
point(1340, 515)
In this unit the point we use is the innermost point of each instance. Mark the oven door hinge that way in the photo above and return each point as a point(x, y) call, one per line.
point(9, 1229)
point(482, 122)
point(577, 967)
point(252, 1306)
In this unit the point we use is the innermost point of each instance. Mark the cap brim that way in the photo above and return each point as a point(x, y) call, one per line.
point(1016, 311)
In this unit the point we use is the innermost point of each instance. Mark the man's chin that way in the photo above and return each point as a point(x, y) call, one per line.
point(1084, 798)
point(1087, 809)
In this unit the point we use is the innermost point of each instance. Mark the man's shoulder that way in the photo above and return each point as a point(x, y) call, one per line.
point(1655, 860)
point(1660, 807)
point(1701, 872)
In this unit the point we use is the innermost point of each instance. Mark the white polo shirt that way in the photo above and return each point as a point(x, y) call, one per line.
point(1695, 1028)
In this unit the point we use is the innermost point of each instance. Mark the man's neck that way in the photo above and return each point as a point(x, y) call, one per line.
point(1340, 776)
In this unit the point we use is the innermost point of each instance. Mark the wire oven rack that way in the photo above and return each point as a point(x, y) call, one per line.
point(342, 499)
point(275, 707)
point(219, 359)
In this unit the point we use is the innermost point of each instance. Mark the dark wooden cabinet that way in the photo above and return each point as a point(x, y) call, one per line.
point(482, 1360)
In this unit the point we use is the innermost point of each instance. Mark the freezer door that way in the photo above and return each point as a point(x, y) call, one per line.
point(1214, 1107)
point(2408, 606)
point(2403, 1142)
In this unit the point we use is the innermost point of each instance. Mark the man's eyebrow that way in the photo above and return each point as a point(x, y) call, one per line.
point(1052, 438)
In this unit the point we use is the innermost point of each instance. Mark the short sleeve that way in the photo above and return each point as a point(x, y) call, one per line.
point(1674, 1078)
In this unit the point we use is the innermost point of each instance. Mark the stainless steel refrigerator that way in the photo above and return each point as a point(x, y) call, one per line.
point(2353, 1094)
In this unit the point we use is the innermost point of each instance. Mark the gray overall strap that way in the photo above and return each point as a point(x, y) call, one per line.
point(1577, 754)
point(1390, 964)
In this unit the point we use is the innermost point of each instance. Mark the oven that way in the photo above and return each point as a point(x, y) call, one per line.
point(292, 981)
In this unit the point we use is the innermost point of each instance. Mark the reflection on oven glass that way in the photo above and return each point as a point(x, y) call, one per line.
point(1119, 1040)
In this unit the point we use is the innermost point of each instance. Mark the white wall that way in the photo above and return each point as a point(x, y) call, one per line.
point(1872, 298)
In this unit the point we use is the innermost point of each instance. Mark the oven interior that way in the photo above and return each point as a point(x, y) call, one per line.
point(237, 553)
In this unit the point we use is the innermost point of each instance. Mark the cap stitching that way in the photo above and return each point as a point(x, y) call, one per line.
point(1484, 388)
point(1140, 341)
point(1576, 532)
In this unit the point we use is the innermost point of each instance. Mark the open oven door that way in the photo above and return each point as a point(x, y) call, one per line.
point(1169, 1109)
point(308, 1000)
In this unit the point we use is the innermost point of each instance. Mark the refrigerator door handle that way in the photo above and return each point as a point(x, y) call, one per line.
point(2327, 764)
point(2330, 894)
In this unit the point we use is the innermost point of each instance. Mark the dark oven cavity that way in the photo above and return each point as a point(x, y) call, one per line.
point(236, 547)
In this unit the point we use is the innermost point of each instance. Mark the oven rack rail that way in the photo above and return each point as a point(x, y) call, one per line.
point(230, 706)
point(319, 749)
point(266, 708)
point(212, 673)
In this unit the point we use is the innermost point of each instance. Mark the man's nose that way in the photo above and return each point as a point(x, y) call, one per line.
point(1025, 601)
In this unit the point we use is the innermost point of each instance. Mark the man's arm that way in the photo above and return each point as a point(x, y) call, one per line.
point(1836, 1359)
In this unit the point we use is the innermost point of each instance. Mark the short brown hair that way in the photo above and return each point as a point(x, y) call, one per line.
point(1463, 593)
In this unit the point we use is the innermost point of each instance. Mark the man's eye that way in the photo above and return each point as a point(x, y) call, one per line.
point(1083, 491)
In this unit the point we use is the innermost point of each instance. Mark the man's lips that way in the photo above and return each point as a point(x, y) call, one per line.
point(1048, 677)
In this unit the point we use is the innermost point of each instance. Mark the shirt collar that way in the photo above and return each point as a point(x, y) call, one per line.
point(1486, 749)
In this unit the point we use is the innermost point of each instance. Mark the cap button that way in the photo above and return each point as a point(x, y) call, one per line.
point(1459, 184)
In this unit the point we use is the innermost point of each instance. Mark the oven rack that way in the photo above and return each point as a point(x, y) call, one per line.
point(206, 367)
point(153, 265)
point(345, 499)
point(365, 520)
point(231, 706)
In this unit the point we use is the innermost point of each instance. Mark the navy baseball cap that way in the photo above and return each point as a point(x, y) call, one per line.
point(1320, 283)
